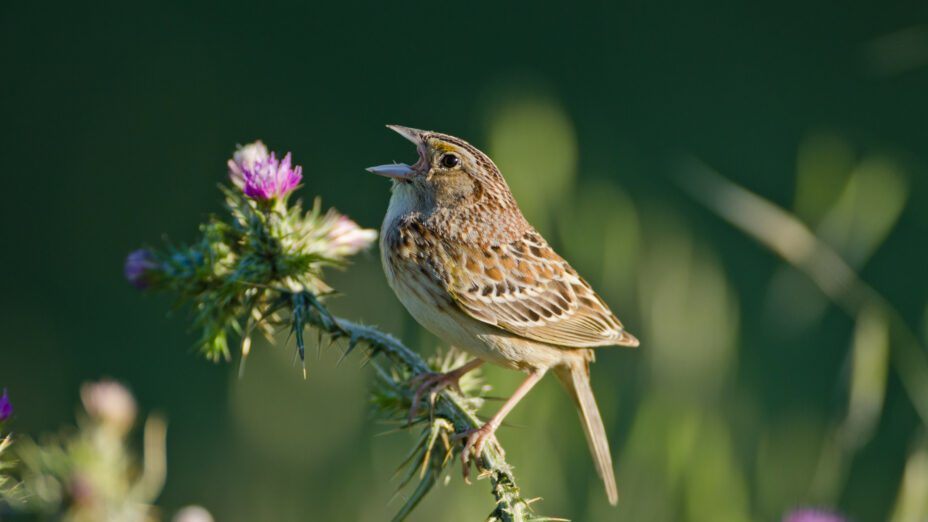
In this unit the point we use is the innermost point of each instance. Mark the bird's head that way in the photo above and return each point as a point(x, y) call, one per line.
point(450, 173)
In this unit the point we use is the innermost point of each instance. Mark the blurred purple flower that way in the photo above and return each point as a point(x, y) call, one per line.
point(139, 264)
point(263, 177)
point(812, 515)
point(6, 407)
point(347, 238)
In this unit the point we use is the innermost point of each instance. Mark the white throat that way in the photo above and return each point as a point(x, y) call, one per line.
point(403, 201)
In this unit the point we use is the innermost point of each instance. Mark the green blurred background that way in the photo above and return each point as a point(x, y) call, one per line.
point(745, 398)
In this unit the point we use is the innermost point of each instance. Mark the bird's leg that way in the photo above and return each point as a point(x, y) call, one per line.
point(478, 437)
point(432, 383)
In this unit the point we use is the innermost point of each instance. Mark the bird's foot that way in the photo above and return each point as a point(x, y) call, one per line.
point(474, 441)
point(430, 384)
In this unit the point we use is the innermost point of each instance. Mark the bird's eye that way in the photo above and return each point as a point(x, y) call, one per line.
point(449, 161)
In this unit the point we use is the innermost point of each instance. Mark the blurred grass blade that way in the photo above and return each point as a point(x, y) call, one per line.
point(824, 162)
point(774, 227)
point(869, 370)
point(866, 210)
point(786, 235)
point(912, 502)
point(155, 464)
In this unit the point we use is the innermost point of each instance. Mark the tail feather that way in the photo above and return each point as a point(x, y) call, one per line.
point(576, 378)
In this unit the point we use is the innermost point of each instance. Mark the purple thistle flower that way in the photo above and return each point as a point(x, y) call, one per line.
point(139, 265)
point(263, 177)
point(6, 407)
point(812, 515)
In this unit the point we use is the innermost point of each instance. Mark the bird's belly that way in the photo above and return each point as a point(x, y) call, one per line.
point(432, 308)
point(435, 313)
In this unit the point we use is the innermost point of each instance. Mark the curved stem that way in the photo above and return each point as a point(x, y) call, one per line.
point(511, 506)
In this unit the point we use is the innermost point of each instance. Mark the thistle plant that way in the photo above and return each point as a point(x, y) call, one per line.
point(259, 270)
point(236, 274)
point(87, 474)
point(91, 473)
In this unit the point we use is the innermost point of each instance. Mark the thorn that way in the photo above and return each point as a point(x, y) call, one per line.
point(352, 344)
point(304, 371)
point(343, 356)
point(367, 359)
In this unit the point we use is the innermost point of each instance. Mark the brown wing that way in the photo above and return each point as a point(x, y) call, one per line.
point(526, 288)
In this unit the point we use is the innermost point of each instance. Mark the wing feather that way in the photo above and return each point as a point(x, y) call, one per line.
point(527, 289)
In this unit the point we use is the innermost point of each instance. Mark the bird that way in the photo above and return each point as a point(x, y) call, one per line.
point(466, 264)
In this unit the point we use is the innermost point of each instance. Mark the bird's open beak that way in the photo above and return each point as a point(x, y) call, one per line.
point(395, 170)
point(413, 135)
point(402, 170)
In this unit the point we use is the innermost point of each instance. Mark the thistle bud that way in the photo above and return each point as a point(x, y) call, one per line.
point(347, 238)
point(110, 403)
point(6, 407)
point(140, 264)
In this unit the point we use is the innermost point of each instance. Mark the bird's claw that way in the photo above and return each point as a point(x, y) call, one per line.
point(474, 440)
point(430, 384)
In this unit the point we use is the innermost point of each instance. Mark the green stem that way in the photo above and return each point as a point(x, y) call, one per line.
point(510, 505)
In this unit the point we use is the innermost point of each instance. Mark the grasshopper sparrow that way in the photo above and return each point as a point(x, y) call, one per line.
point(467, 265)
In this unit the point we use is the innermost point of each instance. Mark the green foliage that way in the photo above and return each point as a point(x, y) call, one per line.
point(235, 275)
point(9, 487)
point(89, 474)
